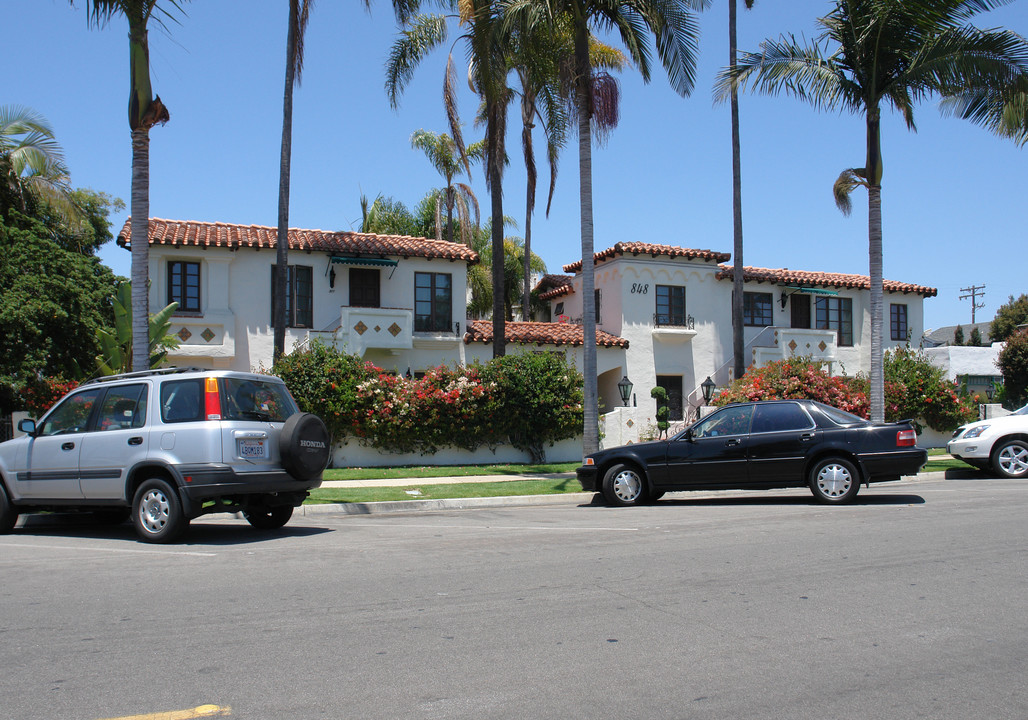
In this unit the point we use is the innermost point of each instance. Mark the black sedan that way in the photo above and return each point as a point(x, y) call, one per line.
point(760, 446)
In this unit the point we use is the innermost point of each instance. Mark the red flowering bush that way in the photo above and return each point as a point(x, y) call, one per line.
point(39, 395)
point(527, 399)
point(796, 378)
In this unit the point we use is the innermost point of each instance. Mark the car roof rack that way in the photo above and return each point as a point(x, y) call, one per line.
point(143, 373)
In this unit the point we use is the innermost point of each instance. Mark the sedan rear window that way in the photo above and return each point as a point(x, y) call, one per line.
point(840, 417)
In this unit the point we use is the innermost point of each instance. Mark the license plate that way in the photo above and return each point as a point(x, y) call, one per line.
point(252, 449)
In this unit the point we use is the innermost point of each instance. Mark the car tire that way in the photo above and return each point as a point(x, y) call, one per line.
point(8, 515)
point(834, 481)
point(623, 486)
point(1010, 459)
point(157, 512)
point(268, 518)
point(305, 446)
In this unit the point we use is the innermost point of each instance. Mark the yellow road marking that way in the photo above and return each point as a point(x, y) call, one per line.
point(201, 711)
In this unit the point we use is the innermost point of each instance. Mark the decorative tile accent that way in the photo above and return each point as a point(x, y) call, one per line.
point(822, 347)
point(793, 346)
point(378, 328)
point(630, 423)
point(184, 334)
point(360, 327)
point(207, 334)
point(394, 329)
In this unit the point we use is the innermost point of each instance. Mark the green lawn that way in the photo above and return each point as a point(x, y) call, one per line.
point(428, 471)
point(938, 461)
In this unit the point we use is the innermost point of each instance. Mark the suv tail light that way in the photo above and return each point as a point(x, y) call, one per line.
point(906, 438)
point(211, 399)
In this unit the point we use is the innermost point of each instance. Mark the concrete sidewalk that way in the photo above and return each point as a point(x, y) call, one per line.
point(446, 480)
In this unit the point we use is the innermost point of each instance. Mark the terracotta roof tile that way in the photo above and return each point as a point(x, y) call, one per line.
point(641, 248)
point(187, 233)
point(540, 333)
point(820, 279)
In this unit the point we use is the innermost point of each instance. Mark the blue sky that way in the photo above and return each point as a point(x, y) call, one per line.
point(953, 194)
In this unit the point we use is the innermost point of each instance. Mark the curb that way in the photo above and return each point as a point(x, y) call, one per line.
point(581, 498)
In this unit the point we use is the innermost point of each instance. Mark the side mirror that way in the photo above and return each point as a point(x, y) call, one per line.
point(27, 426)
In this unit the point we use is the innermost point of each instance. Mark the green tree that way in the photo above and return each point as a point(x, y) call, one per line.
point(1009, 316)
point(1001, 108)
point(487, 55)
point(976, 338)
point(144, 111)
point(958, 335)
point(871, 52)
point(441, 151)
point(54, 293)
point(1013, 364)
point(32, 163)
point(675, 30)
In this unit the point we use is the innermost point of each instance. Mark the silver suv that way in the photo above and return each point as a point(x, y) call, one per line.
point(166, 446)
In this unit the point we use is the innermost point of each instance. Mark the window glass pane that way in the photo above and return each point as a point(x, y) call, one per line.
point(123, 407)
point(898, 321)
point(835, 313)
point(182, 401)
point(780, 418)
point(304, 296)
point(670, 305)
point(432, 302)
point(246, 399)
point(756, 309)
point(72, 415)
point(728, 421)
point(184, 285)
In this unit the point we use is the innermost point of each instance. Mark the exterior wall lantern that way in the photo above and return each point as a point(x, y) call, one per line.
point(707, 386)
point(625, 388)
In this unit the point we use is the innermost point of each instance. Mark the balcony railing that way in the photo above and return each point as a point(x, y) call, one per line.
point(665, 320)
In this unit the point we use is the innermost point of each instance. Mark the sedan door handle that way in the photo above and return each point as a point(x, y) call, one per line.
point(68, 446)
point(135, 440)
point(805, 437)
point(731, 443)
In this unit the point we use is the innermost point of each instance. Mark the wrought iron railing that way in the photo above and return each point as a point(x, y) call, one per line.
point(665, 320)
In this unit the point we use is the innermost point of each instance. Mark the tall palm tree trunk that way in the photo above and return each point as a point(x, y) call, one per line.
point(873, 169)
point(140, 272)
point(282, 237)
point(494, 158)
point(737, 273)
point(874, 237)
point(583, 92)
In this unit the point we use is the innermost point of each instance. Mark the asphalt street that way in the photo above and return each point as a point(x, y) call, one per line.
point(910, 603)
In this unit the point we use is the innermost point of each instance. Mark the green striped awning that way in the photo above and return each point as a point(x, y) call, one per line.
point(812, 290)
point(373, 262)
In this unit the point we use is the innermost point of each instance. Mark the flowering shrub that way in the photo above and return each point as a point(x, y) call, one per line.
point(39, 395)
point(914, 389)
point(527, 399)
point(925, 393)
point(796, 378)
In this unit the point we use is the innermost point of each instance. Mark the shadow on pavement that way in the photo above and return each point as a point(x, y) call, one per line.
point(765, 500)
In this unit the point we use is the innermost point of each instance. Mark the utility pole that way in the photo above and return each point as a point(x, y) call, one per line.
point(974, 292)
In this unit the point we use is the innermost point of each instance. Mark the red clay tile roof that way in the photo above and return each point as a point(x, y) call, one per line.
point(641, 248)
point(539, 333)
point(820, 279)
point(187, 233)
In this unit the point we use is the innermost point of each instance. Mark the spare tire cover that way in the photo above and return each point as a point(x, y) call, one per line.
point(305, 446)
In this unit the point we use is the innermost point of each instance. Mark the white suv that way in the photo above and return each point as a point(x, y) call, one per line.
point(166, 446)
point(1001, 442)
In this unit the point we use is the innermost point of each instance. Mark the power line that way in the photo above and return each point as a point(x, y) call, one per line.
point(974, 292)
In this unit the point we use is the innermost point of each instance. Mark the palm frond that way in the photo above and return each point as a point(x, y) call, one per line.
point(425, 34)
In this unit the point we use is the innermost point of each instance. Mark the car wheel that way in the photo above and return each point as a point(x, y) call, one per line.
point(1010, 459)
point(157, 512)
point(268, 518)
point(305, 446)
point(8, 515)
point(834, 481)
point(623, 485)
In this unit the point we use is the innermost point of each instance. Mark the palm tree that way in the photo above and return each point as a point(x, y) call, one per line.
point(875, 51)
point(479, 276)
point(737, 273)
point(488, 67)
point(299, 15)
point(442, 153)
point(675, 31)
point(145, 111)
point(1002, 110)
point(32, 161)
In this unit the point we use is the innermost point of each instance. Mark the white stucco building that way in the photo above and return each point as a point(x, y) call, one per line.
point(663, 312)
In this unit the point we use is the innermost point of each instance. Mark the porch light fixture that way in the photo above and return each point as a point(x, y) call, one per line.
point(625, 388)
point(707, 387)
